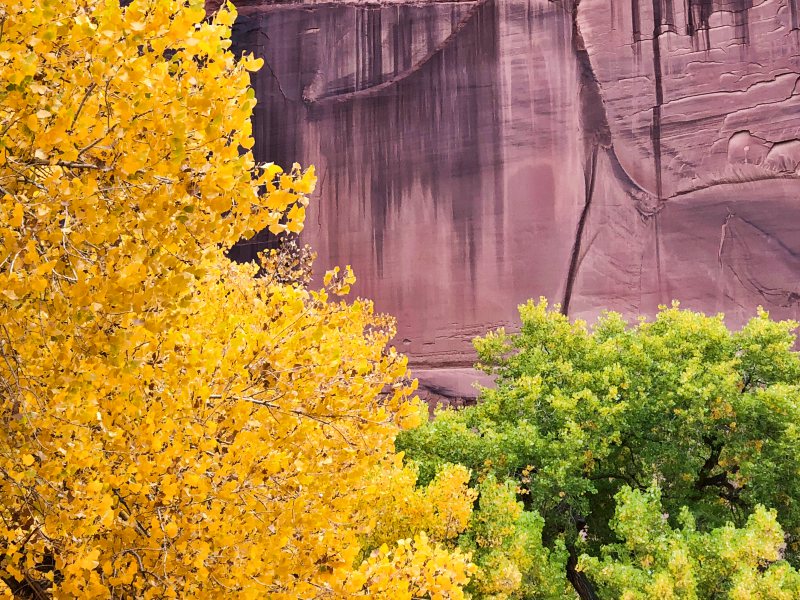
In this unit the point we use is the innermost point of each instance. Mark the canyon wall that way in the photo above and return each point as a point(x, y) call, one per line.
point(606, 154)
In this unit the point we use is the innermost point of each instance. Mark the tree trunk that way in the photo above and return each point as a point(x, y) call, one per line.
point(578, 579)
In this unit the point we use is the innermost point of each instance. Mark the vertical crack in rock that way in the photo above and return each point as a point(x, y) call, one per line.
point(275, 77)
point(793, 13)
point(723, 235)
point(590, 175)
point(663, 19)
point(597, 138)
point(597, 133)
point(655, 131)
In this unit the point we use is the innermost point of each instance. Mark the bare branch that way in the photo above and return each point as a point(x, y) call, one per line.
point(88, 93)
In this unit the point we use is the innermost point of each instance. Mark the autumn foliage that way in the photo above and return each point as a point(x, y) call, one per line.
point(175, 425)
point(651, 460)
point(170, 424)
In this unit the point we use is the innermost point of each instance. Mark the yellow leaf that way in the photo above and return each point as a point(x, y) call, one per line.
point(226, 15)
point(17, 215)
point(253, 64)
point(90, 561)
point(171, 529)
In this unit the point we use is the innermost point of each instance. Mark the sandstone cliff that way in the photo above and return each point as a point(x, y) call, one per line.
point(602, 153)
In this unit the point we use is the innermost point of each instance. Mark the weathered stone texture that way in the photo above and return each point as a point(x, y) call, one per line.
point(702, 103)
point(614, 155)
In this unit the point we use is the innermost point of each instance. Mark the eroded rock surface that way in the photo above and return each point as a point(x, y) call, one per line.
point(703, 106)
point(606, 154)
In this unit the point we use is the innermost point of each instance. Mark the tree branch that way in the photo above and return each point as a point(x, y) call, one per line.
point(88, 93)
point(67, 164)
point(704, 475)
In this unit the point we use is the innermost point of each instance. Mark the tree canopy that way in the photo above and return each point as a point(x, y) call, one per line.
point(172, 425)
point(601, 428)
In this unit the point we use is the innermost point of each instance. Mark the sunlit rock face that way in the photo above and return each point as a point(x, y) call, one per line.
point(606, 154)
point(703, 106)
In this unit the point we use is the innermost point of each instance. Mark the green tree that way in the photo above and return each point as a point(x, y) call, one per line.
point(577, 414)
point(506, 543)
point(655, 561)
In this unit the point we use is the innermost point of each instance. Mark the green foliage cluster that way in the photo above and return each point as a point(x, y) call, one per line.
point(643, 445)
point(654, 560)
point(505, 542)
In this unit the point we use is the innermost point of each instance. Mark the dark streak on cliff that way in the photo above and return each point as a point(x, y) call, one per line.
point(275, 137)
point(438, 110)
point(636, 21)
point(655, 131)
point(590, 176)
point(369, 46)
point(596, 132)
point(668, 14)
point(356, 91)
point(699, 12)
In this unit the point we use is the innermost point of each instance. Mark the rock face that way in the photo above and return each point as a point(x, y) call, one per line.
point(606, 154)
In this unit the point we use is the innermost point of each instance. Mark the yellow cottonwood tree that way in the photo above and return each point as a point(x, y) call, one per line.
point(171, 425)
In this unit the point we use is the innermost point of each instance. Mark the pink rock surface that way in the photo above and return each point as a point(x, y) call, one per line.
point(703, 107)
point(606, 154)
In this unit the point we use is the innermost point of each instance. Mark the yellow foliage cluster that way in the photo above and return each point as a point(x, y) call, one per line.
point(442, 509)
point(171, 425)
point(413, 569)
point(505, 554)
